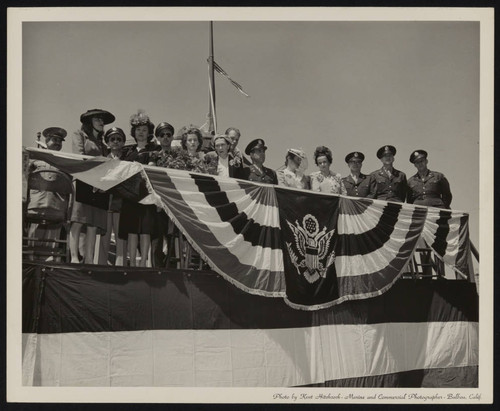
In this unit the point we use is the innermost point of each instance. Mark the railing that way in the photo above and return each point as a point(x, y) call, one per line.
point(430, 266)
point(422, 264)
point(475, 253)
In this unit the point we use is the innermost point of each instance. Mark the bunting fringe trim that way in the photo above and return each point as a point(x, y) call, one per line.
point(193, 244)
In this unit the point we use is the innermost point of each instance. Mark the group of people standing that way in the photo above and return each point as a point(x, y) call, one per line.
point(138, 227)
point(426, 187)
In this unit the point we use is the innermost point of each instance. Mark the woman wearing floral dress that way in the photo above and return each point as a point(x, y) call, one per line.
point(189, 158)
point(192, 143)
point(186, 157)
point(325, 180)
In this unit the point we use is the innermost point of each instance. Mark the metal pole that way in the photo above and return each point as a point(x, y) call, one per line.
point(474, 251)
point(211, 102)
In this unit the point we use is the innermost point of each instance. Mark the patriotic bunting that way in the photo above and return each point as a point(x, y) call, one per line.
point(308, 235)
point(315, 250)
point(447, 232)
point(94, 326)
point(376, 239)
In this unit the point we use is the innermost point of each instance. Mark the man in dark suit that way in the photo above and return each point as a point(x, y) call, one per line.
point(256, 149)
point(391, 184)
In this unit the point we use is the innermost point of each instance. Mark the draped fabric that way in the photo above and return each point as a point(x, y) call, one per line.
point(375, 241)
point(315, 250)
point(447, 232)
point(87, 325)
point(309, 234)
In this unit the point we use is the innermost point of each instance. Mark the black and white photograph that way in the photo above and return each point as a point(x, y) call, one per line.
point(288, 200)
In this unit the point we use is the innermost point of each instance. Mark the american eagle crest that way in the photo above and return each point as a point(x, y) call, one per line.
point(311, 248)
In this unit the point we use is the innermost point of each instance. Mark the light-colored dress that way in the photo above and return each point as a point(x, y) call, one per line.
point(288, 178)
point(332, 183)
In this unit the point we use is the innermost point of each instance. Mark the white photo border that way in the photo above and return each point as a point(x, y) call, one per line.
point(16, 392)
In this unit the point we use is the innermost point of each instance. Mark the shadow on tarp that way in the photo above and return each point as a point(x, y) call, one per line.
point(204, 300)
point(64, 298)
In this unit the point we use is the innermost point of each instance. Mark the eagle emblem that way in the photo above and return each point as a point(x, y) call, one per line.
point(310, 252)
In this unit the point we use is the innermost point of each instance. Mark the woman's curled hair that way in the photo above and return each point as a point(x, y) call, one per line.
point(195, 131)
point(323, 151)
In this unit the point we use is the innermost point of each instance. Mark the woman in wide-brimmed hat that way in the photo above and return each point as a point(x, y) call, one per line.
point(89, 139)
point(90, 207)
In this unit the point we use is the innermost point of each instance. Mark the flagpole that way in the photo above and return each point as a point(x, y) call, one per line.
point(211, 102)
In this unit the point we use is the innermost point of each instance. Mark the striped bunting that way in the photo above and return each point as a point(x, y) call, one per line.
point(233, 224)
point(247, 236)
point(447, 232)
point(376, 239)
point(93, 326)
point(107, 173)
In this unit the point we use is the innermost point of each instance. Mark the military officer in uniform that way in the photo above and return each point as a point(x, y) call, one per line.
point(256, 149)
point(47, 203)
point(390, 184)
point(427, 187)
point(356, 183)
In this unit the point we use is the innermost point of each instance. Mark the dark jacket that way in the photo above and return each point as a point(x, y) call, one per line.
point(432, 190)
point(252, 173)
point(392, 188)
point(366, 186)
point(141, 156)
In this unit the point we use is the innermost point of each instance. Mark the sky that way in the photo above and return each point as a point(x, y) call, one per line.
point(349, 85)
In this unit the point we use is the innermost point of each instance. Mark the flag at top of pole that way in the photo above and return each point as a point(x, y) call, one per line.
point(234, 83)
point(210, 126)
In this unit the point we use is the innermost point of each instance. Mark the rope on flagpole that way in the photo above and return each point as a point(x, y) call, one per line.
point(212, 102)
